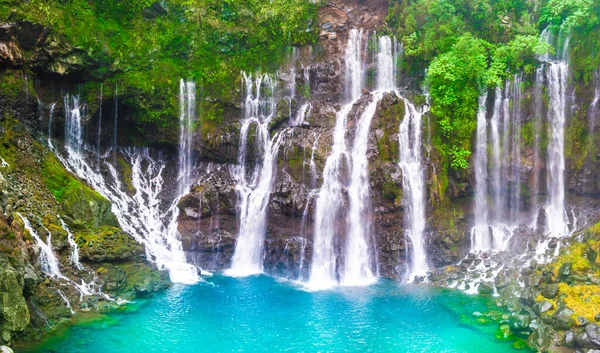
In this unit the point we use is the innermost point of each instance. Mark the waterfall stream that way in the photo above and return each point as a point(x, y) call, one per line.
point(413, 184)
point(254, 188)
point(557, 72)
point(140, 214)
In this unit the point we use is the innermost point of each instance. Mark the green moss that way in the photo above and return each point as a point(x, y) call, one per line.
point(126, 173)
point(107, 244)
point(77, 200)
point(204, 40)
point(391, 191)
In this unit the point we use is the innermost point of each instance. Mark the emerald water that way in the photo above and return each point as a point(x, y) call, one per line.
point(262, 314)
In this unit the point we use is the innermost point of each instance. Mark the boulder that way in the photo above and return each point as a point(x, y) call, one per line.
point(543, 307)
point(5, 349)
point(14, 314)
point(108, 244)
point(590, 337)
point(549, 291)
point(562, 318)
point(565, 270)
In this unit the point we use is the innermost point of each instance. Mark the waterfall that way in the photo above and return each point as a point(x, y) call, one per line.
point(66, 300)
point(114, 146)
point(329, 202)
point(302, 114)
point(47, 258)
point(330, 198)
point(386, 64)
point(357, 264)
point(557, 72)
point(187, 118)
point(140, 215)
point(354, 65)
point(73, 123)
point(99, 125)
point(312, 164)
point(50, 117)
point(73, 245)
point(480, 236)
point(414, 187)
point(515, 177)
point(254, 189)
point(538, 111)
point(496, 166)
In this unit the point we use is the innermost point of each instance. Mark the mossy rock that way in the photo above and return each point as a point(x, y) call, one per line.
point(130, 280)
point(79, 202)
point(14, 314)
point(108, 244)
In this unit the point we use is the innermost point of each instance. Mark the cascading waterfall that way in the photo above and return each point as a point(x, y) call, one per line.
point(480, 237)
point(72, 245)
point(73, 124)
point(116, 121)
point(494, 226)
point(48, 259)
point(187, 118)
point(254, 189)
point(538, 111)
point(557, 72)
point(140, 215)
point(50, 119)
point(329, 202)
point(99, 125)
point(413, 185)
point(357, 264)
point(354, 64)
point(357, 267)
point(302, 114)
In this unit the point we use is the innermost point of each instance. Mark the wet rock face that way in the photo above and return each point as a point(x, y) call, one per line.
point(208, 222)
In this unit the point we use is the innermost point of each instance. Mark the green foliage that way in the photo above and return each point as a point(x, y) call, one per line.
point(209, 41)
point(456, 79)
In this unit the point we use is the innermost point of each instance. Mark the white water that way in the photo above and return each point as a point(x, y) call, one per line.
point(302, 114)
point(357, 262)
point(73, 245)
point(254, 189)
point(140, 215)
point(116, 121)
point(3, 163)
point(557, 72)
point(50, 118)
point(329, 206)
point(66, 300)
point(497, 218)
point(354, 64)
point(538, 109)
point(187, 118)
point(99, 125)
point(413, 185)
point(480, 234)
point(47, 258)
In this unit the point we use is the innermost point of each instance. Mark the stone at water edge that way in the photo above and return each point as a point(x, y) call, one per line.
point(5, 349)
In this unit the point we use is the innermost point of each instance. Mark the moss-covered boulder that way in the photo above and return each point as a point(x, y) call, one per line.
point(107, 244)
point(14, 315)
point(79, 201)
point(130, 280)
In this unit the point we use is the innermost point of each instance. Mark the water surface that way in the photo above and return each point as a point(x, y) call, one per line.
point(262, 314)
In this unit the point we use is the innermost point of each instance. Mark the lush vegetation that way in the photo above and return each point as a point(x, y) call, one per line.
point(146, 47)
point(468, 46)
